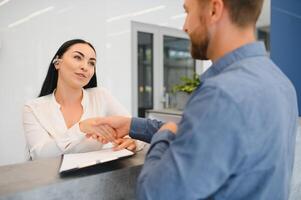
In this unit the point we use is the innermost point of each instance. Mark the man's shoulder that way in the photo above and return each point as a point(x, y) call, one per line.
point(256, 86)
point(248, 78)
point(229, 84)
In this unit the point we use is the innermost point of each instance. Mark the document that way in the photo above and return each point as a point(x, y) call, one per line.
point(80, 160)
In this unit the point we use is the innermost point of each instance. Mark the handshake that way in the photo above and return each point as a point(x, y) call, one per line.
point(113, 129)
point(116, 129)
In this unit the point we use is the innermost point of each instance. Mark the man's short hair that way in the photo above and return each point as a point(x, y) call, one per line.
point(244, 12)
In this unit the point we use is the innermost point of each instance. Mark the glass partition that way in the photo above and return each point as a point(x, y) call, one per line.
point(145, 72)
point(177, 64)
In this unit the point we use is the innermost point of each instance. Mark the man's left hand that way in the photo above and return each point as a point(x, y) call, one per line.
point(171, 126)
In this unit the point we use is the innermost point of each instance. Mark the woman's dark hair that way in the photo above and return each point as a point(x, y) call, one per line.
point(50, 81)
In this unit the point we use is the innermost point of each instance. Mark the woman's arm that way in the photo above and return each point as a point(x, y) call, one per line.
point(41, 143)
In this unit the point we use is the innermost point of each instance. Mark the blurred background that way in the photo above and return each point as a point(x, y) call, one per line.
point(142, 53)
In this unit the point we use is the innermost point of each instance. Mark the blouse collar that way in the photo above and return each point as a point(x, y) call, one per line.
point(83, 101)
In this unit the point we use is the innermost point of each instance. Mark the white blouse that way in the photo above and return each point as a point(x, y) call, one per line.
point(46, 132)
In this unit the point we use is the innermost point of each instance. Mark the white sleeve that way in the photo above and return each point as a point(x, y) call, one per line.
point(43, 144)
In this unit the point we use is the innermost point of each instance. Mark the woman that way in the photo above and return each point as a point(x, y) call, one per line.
point(69, 102)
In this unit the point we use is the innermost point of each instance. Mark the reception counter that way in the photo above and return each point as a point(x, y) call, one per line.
point(40, 180)
point(165, 115)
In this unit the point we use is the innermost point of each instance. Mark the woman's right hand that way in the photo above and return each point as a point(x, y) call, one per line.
point(103, 133)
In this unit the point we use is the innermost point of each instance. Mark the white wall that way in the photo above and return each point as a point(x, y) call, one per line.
point(27, 46)
point(265, 17)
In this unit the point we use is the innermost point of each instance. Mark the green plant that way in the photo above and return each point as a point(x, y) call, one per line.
point(189, 84)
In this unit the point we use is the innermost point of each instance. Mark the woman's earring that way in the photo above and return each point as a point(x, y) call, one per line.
point(56, 61)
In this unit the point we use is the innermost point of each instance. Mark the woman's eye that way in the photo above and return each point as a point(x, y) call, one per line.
point(77, 57)
point(92, 64)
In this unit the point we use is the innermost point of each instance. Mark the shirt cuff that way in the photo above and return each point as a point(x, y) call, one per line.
point(138, 129)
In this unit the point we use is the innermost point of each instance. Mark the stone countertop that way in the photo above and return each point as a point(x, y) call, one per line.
point(32, 179)
point(167, 111)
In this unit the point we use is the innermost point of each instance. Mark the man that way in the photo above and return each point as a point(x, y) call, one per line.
point(237, 135)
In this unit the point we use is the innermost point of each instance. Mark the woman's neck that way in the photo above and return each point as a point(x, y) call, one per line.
point(65, 95)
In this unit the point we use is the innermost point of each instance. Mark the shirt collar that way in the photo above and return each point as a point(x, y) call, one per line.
point(83, 102)
point(249, 50)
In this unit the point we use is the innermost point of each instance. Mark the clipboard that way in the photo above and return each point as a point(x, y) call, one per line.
point(75, 161)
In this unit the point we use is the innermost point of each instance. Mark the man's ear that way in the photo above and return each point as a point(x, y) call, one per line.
point(217, 9)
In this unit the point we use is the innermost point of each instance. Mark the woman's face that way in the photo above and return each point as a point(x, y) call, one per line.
point(77, 66)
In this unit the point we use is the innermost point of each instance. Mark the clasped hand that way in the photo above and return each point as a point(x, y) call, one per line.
point(109, 129)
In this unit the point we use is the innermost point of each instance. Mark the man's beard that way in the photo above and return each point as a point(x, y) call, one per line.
point(199, 39)
point(199, 46)
point(199, 51)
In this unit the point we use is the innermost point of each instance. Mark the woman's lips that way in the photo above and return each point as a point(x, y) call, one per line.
point(81, 75)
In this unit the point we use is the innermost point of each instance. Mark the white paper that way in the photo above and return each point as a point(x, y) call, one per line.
point(80, 160)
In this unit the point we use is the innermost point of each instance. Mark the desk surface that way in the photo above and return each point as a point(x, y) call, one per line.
point(42, 173)
point(167, 111)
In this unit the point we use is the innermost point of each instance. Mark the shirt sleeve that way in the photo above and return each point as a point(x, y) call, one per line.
point(144, 129)
point(196, 161)
point(41, 143)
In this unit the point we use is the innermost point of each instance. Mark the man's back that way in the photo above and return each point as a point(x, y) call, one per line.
point(266, 102)
point(235, 140)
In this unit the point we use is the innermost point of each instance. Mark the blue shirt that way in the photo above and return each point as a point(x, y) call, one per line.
point(236, 138)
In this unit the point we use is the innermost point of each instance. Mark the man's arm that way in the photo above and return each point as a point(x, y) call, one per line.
point(144, 129)
point(198, 160)
point(121, 126)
